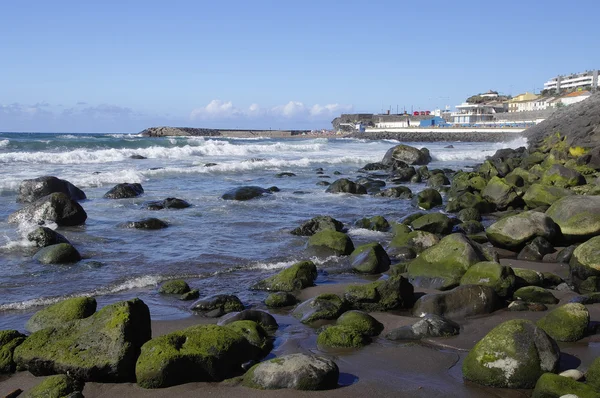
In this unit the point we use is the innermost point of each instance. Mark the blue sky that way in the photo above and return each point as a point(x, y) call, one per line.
point(121, 66)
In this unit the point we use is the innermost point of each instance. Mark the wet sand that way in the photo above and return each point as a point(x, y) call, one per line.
point(431, 368)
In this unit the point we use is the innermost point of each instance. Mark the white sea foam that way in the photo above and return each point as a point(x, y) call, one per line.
point(68, 137)
point(363, 232)
point(4, 143)
point(476, 152)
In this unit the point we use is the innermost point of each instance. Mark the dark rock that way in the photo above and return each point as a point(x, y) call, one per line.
point(285, 174)
point(406, 154)
point(329, 242)
point(535, 294)
point(316, 224)
point(124, 190)
point(137, 157)
point(264, 319)
point(9, 340)
point(245, 193)
point(169, 203)
point(519, 305)
point(324, 306)
point(383, 295)
point(216, 306)
point(323, 184)
point(376, 223)
point(60, 253)
point(44, 236)
point(296, 277)
point(175, 286)
point(436, 223)
point(370, 258)
point(56, 207)
point(430, 325)
point(428, 199)
point(470, 227)
point(403, 175)
point(437, 180)
point(564, 256)
point(280, 299)
point(460, 302)
point(536, 250)
point(396, 192)
point(191, 295)
point(146, 223)
point(34, 189)
point(344, 185)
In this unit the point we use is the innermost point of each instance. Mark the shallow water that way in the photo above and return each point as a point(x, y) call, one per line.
point(218, 246)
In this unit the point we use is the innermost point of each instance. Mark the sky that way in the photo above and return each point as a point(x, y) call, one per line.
point(122, 66)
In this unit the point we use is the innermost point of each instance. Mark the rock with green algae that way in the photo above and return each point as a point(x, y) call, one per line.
point(430, 325)
point(254, 332)
point(344, 185)
point(218, 305)
point(64, 311)
point(280, 299)
point(436, 223)
point(316, 224)
point(551, 385)
point(460, 302)
point(544, 195)
point(577, 216)
point(584, 266)
point(191, 295)
point(500, 193)
point(468, 200)
point(57, 207)
point(417, 240)
point(383, 295)
point(528, 277)
point(514, 232)
point(561, 176)
point(295, 277)
point(294, 371)
point(44, 236)
point(376, 223)
point(331, 243)
point(512, 355)
point(60, 253)
point(568, 322)
point(535, 294)
point(323, 306)
point(175, 286)
point(428, 199)
point(444, 264)
point(9, 340)
point(370, 258)
point(360, 321)
point(592, 375)
point(199, 353)
point(264, 319)
point(102, 347)
point(341, 336)
point(58, 386)
point(469, 214)
point(499, 277)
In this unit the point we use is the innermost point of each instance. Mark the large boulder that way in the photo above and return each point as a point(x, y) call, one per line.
point(340, 336)
point(56, 207)
point(499, 277)
point(56, 386)
point(317, 224)
point(443, 265)
point(406, 154)
point(331, 242)
point(577, 216)
point(375, 223)
point(168, 203)
point(500, 193)
point(360, 321)
point(383, 295)
point(264, 319)
point(436, 223)
point(60, 253)
point(9, 340)
point(428, 199)
point(544, 195)
point(295, 277)
point(199, 353)
point(535, 294)
point(370, 258)
point(568, 322)
point(512, 355)
point(295, 371)
point(417, 240)
point(584, 266)
point(102, 347)
point(514, 232)
point(400, 192)
point(430, 325)
point(44, 236)
point(174, 286)
point(324, 306)
point(218, 305)
point(460, 302)
point(344, 185)
point(245, 193)
point(561, 176)
point(62, 312)
point(280, 299)
point(124, 190)
point(34, 189)
point(551, 385)
point(468, 200)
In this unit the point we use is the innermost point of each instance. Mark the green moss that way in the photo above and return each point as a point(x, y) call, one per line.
point(369, 258)
point(176, 286)
point(360, 321)
point(593, 374)
point(384, 295)
point(528, 277)
point(376, 223)
point(58, 386)
point(191, 295)
point(341, 337)
point(436, 223)
point(280, 299)
point(551, 385)
point(364, 292)
point(399, 228)
point(428, 199)
point(296, 277)
point(9, 340)
point(568, 322)
point(535, 294)
point(499, 277)
point(418, 240)
point(252, 332)
point(64, 311)
point(544, 195)
point(323, 306)
point(337, 243)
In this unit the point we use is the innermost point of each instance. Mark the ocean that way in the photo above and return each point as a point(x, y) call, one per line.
point(217, 246)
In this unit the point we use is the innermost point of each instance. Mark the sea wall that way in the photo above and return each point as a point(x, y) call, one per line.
point(473, 136)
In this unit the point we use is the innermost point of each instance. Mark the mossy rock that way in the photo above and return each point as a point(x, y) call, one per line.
point(500, 193)
point(376, 223)
point(551, 385)
point(399, 228)
point(514, 232)
point(324, 306)
point(535, 294)
point(437, 180)
point(191, 295)
point(568, 322)
point(593, 374)
point(428, 199)
point(295, 277)
point(262, 318)
point(254, 333)
point(341, 337)
point(469, 214)
point(527, 176)
point(430, 325)
point(417, 240)
point(218, 305)
point(528, 277)
point(460, 302)
point(467, 182)
point(512, 355)
point(471, 228)
point(383, 295)
point(60, 253)
point(44, 236)
point(245, 193)
point(370, 258)
point(331, 242)
point(344, 185)
point(58, 386)
point(584, 266)
point(317, 224)
point(280, 299)
point(436, 223)
point(64, 311)
point(360, 321)
point(9, 340)
point(499, 277)
point(200, 353)
point(412, 217)
point(400, 192)
point(544, 195)
point(443, 265)
point(295, 371)
point(176, 286)
point(102, 347)
point(468, 200)
point(577, 216)
point(562, 176)
point(57, 207)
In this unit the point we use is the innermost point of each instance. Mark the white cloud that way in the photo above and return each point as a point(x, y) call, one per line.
point(215, 109)
point(329, 109)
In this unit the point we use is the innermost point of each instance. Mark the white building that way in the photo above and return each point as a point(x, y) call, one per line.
point(583, 79)
point(572, 98)
point(542, 103)
point(476, 113)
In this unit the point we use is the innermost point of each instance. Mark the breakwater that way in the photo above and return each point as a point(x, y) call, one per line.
point(435, 136)
point(165, 131)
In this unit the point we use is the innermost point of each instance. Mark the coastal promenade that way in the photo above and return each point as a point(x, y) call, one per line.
point(490, 130)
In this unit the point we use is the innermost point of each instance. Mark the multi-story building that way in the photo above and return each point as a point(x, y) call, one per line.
point(572, 98)
point(583, 79)
point(477, 113)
